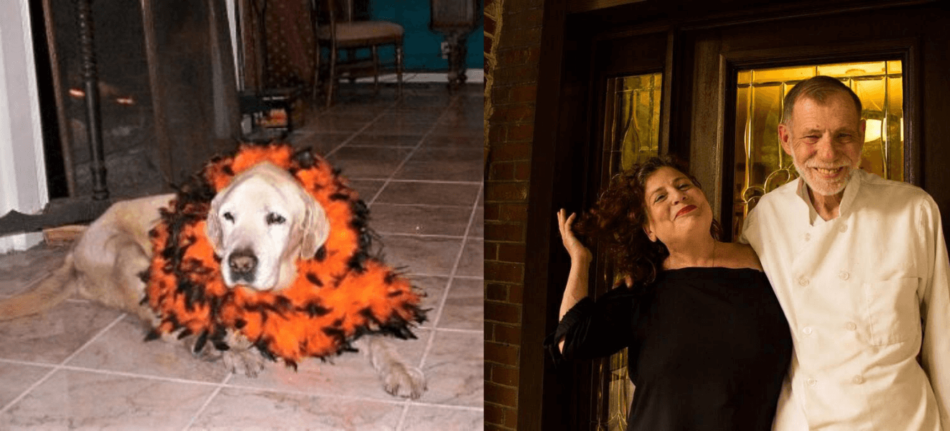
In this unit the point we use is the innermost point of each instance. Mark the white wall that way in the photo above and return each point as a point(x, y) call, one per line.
point(22, 170)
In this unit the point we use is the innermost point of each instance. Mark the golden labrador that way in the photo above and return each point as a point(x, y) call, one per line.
point(258, 225)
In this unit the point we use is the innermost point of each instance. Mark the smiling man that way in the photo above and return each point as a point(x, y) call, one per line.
point(860, 267)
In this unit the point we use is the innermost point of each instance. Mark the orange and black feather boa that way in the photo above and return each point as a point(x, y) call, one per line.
point(340, 293)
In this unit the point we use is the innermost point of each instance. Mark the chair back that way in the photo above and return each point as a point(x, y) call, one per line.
point(328, 12)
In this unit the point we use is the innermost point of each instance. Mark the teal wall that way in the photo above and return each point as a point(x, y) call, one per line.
point(421, 45)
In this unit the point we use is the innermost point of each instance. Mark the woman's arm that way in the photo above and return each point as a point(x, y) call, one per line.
point(580, 264)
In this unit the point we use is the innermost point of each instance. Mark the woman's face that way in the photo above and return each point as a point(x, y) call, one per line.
point(676, 209)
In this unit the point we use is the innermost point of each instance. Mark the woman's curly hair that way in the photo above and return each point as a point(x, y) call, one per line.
point(619, 215)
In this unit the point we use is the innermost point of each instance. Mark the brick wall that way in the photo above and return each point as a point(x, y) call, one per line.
point(512, 50)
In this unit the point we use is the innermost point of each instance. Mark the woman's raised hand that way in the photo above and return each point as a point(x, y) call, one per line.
point(574, 247)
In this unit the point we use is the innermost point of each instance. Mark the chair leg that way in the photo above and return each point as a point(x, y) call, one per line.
point(399, 69)
point(350, 56)
point(375, 71)
point(331, 81)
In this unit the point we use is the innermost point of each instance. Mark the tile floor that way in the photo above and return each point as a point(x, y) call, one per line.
point(417, 162)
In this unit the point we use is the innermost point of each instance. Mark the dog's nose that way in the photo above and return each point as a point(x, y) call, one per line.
point(243, 262)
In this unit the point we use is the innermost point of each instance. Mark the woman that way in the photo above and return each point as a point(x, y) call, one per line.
point(708, 343)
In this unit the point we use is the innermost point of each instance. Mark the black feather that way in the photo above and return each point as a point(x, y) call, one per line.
point(315, 310)
point(200, 343)
point(311, 277)
point(321, 253)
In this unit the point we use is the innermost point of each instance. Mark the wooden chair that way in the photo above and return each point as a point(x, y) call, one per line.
point(341, 32)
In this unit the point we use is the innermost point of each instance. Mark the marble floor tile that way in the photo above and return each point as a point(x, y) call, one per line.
point(427, 193)
point(385, 140)
point(362, 117)
point(472, 263)
point(422, 255)
point(24, 268)
point(367, 190)
point(235, 408)
point(16, 378)
point(322, 143)
point(53, 336)
point(434, 289)
point(123, 348)
point(347, 375)
point(376, 108)
point(368, 163)
point(424, 118)
point(464, 113)
point(455, 369)
point(86, 400)
point(477, 228)
point(419, 219)
point(450, 127)
point(425, 418)
point(465, 142)
point(465, 306)
point(465, 131)
point(443, 164)
point(334, 125)
point(397, 128)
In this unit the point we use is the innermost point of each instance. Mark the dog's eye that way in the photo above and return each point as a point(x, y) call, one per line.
point(274, 218)
point(229, 217)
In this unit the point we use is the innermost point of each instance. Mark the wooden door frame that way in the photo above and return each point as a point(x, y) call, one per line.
point(712, 146)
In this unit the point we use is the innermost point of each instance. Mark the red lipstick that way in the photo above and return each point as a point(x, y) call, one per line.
point(685, 210)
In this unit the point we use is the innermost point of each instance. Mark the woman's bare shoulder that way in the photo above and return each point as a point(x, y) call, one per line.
point(742, 256)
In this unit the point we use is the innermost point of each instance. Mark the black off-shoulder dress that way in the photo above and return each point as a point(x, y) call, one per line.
point(708, 348)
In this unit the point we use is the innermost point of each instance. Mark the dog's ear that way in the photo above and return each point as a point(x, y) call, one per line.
point(213, 226)
point(314, 229)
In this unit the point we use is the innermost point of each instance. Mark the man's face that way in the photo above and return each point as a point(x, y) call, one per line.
point(825, 142)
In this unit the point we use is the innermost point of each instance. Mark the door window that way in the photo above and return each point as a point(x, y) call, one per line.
point(761, 165)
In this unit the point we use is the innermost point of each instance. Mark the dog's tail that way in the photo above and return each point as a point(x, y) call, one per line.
point(45, 294)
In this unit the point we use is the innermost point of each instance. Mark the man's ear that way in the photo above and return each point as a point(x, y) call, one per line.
point(785, 138)
point(213, 226)
point(314, 227)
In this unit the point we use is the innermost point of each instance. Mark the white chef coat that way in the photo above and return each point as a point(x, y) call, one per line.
point(864, 294)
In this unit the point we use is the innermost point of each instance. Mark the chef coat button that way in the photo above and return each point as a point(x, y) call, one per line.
point(851, 326)
point(844, 275)
point(857, 380)
point(842, 228)
point(803, 281)
point(807, 236)
point(807, 330)
point(812, 382)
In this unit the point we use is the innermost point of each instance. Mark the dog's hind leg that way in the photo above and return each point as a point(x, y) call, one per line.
point(110, 275)
point(47, 293)
point(398, 377)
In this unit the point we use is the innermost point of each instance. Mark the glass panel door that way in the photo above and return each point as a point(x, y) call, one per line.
point(761, 165)
point(631, 136)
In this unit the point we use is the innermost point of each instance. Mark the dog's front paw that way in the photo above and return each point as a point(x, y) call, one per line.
point(405, 381)
point(246, 362)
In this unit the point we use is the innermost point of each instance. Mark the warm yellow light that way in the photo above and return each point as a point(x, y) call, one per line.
point(872, 130)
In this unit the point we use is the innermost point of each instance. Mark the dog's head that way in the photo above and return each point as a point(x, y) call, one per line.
point(260, 223)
